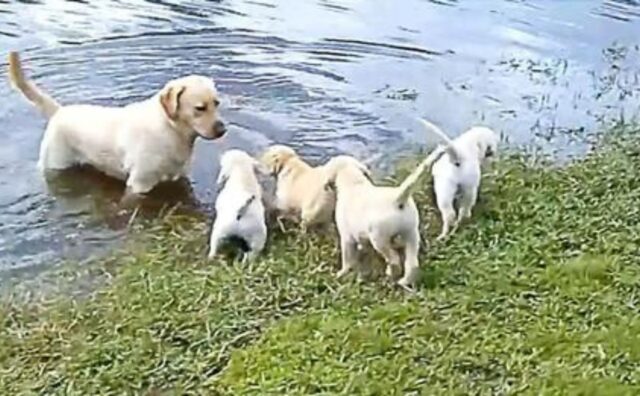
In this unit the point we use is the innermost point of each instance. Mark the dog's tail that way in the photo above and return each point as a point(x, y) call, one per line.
point(46, 104)
point(245, 206)
point(449, 146)
point(409, 184)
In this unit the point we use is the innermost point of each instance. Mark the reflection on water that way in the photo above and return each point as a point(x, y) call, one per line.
point(325, 76)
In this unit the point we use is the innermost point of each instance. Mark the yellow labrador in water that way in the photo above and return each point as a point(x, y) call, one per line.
point(142, 143)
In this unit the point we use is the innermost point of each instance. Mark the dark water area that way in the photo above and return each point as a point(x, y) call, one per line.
point(324, 76)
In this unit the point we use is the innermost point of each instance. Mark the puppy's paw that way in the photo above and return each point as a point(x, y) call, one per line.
point(406, 285)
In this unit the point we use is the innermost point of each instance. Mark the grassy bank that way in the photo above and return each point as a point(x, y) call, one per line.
point(540, 293)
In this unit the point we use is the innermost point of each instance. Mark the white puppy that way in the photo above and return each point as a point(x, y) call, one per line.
point(143, 143)
point(458, 173)
point(239, 207)
point(384, 217)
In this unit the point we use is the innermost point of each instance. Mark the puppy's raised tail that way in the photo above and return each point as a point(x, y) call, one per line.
point(448, 143)
point(46, 104)
point(409, 184)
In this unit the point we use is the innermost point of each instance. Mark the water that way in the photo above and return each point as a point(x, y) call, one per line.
point(325, 76)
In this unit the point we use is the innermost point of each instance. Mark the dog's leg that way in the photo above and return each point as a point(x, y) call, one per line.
point(445, 192)
point(468, 200)
point(139, 184)
point(381, 243)
point(54, 152)
point(411, 267)
point(349, 253)
point(214, 242)
point(256, 244)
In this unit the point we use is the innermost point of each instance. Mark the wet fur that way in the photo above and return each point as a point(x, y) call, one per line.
point(143, 143)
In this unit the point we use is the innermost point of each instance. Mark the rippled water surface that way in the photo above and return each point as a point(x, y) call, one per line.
point(326, 76)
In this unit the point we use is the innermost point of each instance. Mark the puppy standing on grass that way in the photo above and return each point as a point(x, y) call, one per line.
point(239, 207)
point(384, 217)
point(300, 188)
point(458, 173)
point(143, 143)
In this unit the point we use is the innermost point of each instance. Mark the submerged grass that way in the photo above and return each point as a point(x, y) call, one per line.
point(539, 294)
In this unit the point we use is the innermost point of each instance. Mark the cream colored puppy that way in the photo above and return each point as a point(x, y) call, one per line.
point(457, 175)
point(384, 217)
point(239, 207)
point(300, 188)
point(143, 143)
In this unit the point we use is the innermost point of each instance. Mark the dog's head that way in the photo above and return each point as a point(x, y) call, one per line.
point(487, 142)
point(345, 167)
point(237, 159)
point(275, 158)
point(193, 101)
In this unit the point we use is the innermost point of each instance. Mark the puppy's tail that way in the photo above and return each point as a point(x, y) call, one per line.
point(46, 104)
point(449, 146)
point(409, 184)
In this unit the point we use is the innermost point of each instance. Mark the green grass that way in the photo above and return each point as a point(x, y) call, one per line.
point(539, 294)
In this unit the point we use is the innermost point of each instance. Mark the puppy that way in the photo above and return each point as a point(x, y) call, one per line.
point(143, 143)
point(239, 207)
point(458, 172)
point(384, 217)
point(300, 188)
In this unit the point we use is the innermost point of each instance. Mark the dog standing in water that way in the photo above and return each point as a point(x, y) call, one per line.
point(143, 143)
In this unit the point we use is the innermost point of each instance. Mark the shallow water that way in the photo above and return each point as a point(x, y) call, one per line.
point(324, 76)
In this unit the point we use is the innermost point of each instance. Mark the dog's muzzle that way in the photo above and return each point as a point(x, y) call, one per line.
point(217, 131)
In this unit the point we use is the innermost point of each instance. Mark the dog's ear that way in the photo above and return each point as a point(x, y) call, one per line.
point(260, 168)
point(330, 185)
point(170, 100)
point(365, 171)
point(222, 179)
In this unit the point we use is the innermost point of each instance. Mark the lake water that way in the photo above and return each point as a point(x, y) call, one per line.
point(325, 76)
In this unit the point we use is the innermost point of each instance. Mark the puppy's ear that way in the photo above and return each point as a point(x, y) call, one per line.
point(260, 168)
point(330, 185)
point(170, 100)
point(222, 179)
point(365, 171)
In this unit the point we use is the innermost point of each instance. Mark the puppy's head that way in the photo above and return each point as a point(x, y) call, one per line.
point(276, 157)
point(487, 142)
point(193, 101)
point(236, 159)
point(347, 168)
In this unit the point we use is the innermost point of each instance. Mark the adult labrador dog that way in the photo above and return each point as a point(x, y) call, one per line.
point(143, 143)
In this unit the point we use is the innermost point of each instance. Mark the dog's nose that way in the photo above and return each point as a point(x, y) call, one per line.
point(219, 128)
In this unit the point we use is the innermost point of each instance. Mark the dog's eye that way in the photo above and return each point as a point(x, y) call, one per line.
point(216, 103)
point(201, 108)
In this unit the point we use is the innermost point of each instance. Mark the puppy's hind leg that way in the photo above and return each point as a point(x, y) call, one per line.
point(467, 201)
point(256, 244)
point(349, 252)
point(445, 194)
point(411, 266)
point(382, 244)
point(214, 242)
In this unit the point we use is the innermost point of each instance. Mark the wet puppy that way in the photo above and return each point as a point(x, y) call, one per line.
point(239, 207)
point(457, 174)
point(142, 143)
point(384, 217)
point(300, 188)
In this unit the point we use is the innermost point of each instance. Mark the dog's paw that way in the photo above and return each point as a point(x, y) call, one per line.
point(406, 285)
point(341, 274)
